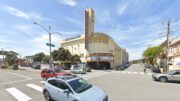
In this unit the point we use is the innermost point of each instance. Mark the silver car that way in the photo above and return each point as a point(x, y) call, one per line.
point(77, 69)
point(167, 76)
point(72, 88)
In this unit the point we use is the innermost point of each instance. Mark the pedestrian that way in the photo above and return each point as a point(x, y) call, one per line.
point(145, 70)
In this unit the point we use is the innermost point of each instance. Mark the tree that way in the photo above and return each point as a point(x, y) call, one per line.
point(151, 54)
point(61, 55)
point(74, 58)
point(11, 57)
point(38, 57)
point(46, 58)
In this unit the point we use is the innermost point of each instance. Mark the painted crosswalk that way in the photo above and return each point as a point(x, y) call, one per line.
point(20, 96)
point(38, 88)
point(132, 72)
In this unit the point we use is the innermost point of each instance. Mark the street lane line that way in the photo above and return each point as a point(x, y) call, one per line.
point(134, 72)
point(19, 75)
point(38, 88)
point(18, 94)
point(17, 81)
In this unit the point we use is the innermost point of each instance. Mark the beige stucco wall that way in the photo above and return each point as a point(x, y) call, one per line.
point(97, 43)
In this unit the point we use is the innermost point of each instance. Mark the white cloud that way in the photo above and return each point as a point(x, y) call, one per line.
point(25, 29)
point(38, 44)
point(73, 21)
point(16, 12)
point(135, 53)
point(121, 9)
point(68, 2)
point(19, 13)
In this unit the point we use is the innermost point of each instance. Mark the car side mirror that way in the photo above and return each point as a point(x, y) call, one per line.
point(66, 91)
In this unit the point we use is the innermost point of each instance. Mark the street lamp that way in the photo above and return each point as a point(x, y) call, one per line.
point(50, 45)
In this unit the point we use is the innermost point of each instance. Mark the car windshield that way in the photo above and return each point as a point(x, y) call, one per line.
point(57, 71)
point(80, 85)
point(170, 72)
point(76, 67)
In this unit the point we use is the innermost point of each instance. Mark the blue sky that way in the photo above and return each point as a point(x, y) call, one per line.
point(133, 24)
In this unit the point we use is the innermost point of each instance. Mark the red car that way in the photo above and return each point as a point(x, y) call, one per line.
point(51, 72)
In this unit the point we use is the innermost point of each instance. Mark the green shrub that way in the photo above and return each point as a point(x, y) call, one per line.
point(15, 67)
point(4, 66)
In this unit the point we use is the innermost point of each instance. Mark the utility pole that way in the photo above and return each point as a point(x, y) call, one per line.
point(50, 61)
point(49, 44)
point(3, 55)
point(167, 47)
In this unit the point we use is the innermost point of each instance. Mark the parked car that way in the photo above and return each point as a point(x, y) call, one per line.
point(122, 67)
point(72, 88)
point(88, 69)
point(156, 70)
point(77, 69)
point(36, 66)
point(167, 76)
point(51, 72)
point(147, 66)
point(126, 65)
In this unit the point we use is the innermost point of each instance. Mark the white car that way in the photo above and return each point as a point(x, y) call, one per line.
point(72, 88)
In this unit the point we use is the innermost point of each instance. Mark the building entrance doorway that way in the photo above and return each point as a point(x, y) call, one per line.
point(100, 65)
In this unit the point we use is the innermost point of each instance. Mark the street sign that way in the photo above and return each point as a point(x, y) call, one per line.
point(51, 45)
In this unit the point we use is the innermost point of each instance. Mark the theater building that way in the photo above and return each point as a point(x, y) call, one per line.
point(96, 49)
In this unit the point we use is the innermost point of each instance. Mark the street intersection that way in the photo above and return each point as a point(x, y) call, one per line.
point(131, 84)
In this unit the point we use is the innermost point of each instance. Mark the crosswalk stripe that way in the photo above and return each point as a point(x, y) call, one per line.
point(142, 73)
point(124, 72)
point(38, 88)
point(149, 73)
point(18, 94)
point(128, 72)
point(134, 72)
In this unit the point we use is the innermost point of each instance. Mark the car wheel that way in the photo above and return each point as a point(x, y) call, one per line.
point(162, 79)
point(47, 96)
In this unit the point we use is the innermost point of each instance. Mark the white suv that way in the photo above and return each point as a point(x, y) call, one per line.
point(72, 88)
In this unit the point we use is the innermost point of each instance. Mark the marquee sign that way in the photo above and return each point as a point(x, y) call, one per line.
point(100, 57)
point(86, 29)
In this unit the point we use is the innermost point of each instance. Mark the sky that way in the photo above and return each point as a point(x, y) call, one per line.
point(133, 24)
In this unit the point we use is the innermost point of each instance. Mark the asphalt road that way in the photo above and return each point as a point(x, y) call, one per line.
point(128, 85)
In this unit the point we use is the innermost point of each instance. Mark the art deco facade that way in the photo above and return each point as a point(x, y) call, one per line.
point(98, 50)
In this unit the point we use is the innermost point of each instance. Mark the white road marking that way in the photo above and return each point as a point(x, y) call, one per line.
point(19, 75)
point(124, 72)
point(118, 72)
point(18, 94)
point(128, 72)
point(38, 88)
point(142, 73)
point(149, 73)
point(134, 72)
point(17, 81)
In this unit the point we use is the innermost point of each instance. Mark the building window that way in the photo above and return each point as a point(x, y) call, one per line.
point(175, 50)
